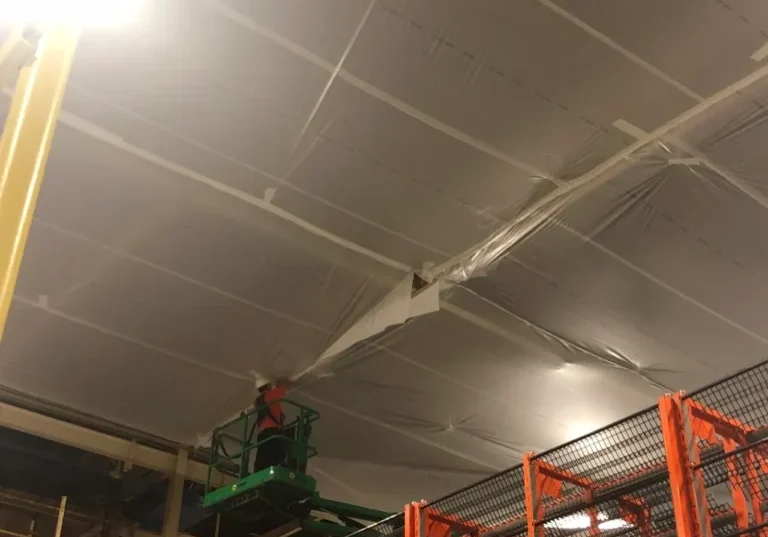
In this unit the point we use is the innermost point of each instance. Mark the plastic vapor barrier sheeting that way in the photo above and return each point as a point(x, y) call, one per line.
point(235, 187)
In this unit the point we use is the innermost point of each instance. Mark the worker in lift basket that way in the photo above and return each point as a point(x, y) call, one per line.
point(270, 421)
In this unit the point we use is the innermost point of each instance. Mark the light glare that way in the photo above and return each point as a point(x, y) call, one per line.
point(73, 12)
point(583, 522)
point(614, 524)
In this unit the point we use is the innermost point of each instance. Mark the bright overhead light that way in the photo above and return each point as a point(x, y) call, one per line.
point(615, 524)
point(582, 522)
point(75, 12)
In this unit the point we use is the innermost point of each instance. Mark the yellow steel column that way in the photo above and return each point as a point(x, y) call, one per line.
point(24, 147)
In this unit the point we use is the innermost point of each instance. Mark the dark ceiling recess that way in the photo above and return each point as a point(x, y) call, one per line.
point(34, 467)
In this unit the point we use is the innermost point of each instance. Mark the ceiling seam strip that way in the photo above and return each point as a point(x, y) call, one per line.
point(463, 137)
point(390, 427)
point(135, 341)
point(498, 331)
point(444, 305)
point(745, 189)
point(249, 23)
point(534, 216)
point(618, 257)
point(371, 90)
point(283, 182)
point(109, 138)
point(673, 290)
point(439, 126)
point(463, 314)
point(476, 391)
point(577, 296)
point(173, 273)
point(666, 286)
point(96, 132)
point(332, 78)
point(75, 122)
point(613, 45)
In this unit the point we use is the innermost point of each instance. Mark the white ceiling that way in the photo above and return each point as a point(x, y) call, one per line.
point(234, 183)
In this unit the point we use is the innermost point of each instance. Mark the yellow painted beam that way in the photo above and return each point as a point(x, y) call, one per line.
point(24, 147)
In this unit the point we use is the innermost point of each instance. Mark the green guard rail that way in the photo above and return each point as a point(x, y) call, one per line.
point(233, 457)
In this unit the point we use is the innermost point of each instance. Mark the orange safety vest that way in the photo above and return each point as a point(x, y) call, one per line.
point(271, 415)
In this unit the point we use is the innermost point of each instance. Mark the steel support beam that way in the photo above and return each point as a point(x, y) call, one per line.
point(24, 147)
point(107, 445)
point(174, 496)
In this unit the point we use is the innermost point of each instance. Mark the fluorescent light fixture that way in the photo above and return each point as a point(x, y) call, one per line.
point(570, 522)
point(615, 524)
point(75, 12)
point(582, 522)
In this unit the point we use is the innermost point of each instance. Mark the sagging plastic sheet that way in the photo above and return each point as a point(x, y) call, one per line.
point(136, 279)
point(149, 298)
point(651, 280)
point(654, 265)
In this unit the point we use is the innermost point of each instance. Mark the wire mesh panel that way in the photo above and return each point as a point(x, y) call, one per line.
point(393, 526)
point(611, 482)
point(726, 429)
point(496, 503)
point(741, 397)
point(631, 445)
point(637, 510)
point(615, 482)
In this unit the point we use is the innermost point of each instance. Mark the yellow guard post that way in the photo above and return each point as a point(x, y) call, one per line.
point(24, 147)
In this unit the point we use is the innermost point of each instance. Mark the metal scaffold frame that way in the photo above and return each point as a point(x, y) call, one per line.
point(694, 465)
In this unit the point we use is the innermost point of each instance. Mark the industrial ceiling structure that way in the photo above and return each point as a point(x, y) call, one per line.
point(235, 183)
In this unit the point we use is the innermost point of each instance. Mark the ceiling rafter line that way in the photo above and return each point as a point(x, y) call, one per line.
point(472, 319)
point(252, 25)
point(129, 339)
point(328, 85)
point(96, 132)
point(482, 146)
point(109, 138)
point(283, 182)
point(443, 304)
point(442, 127)
point(591, 354)
point(543, 210)
point(613, 45)
point(729, 176)
point(371, 90)
point(388, 426)
point(173, 273)
point(533, 92)
point(578, 296)
point(477, 391)
point(671, 289)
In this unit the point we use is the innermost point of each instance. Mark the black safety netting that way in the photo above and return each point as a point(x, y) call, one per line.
point(743, 397)
point(614, 480)
point(393, 526)
point(641, 506)
point(496, 503)
point(735, 474)
point(633, 444)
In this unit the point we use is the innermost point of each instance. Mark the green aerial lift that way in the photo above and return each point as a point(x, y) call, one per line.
point(279, 500)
